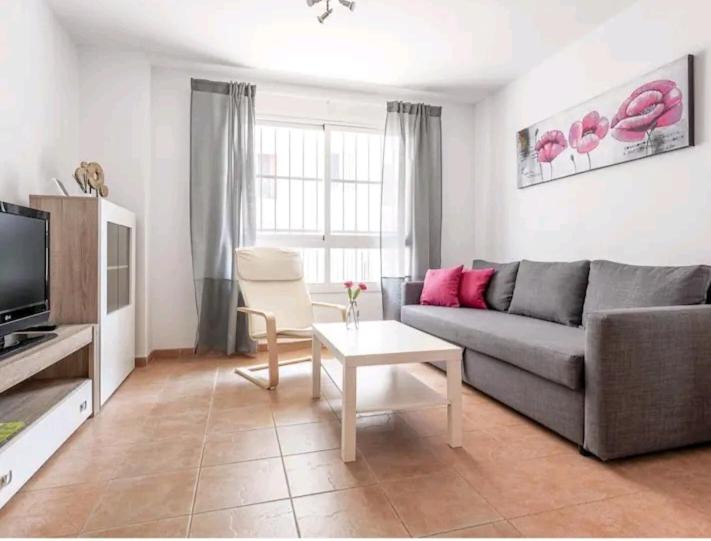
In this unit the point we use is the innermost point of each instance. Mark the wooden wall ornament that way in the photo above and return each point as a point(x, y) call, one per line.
point(90, 177)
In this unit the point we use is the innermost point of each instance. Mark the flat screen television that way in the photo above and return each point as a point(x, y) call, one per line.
point(24, 268)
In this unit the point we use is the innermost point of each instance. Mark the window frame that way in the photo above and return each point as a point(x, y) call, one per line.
point(328, 239)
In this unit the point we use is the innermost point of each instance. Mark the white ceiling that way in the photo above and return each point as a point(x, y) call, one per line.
point(461, 48)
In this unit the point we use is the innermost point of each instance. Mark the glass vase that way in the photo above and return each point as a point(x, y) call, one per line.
point(352, 315)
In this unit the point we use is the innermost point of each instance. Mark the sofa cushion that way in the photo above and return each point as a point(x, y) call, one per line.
point(501, 286)
point(549, 350)
point(616, 285)
point(552, 291)
point(472, 287)
point(441, 287)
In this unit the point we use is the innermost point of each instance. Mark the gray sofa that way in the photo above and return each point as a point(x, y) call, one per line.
point(614, 357)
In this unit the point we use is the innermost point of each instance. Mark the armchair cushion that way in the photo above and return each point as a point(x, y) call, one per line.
point(264, 264)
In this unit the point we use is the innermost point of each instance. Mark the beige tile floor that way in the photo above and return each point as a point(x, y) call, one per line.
point(187, 448)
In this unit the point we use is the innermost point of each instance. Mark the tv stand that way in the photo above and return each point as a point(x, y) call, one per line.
point(16, 342)
point(49, 388)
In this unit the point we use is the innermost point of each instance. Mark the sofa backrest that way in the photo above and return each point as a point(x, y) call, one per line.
point(565, 292)
point(616, 285)
point(501, 286)
point(554, 291)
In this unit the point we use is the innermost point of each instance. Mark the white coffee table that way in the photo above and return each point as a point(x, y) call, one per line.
point(375, 347)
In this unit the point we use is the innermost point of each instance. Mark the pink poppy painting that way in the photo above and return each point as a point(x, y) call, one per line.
point(549, 147)
point(653, 105)
point(647, 116)
point(585, 135)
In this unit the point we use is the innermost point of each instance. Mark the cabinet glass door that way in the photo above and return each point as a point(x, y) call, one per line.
point(118, 270)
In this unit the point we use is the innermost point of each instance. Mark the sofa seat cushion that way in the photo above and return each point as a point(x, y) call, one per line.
point(549, 350)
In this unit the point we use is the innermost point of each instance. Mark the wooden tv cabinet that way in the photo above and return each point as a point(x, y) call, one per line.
point(53, 388)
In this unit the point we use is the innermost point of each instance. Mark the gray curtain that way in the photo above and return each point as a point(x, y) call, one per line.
point(222, 207)
point(411, 212)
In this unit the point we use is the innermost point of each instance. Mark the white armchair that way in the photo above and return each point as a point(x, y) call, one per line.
point(278, 304)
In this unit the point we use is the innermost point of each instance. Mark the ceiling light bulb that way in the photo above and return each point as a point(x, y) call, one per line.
point(348, 3)
point(312, 2)
point(325, 14)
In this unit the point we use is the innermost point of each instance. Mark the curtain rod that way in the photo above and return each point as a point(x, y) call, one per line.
point(318, 121)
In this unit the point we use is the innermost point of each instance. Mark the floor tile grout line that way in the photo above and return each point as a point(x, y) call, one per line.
point(140, 523)
point(202, 454)
point(394, 509)
point(117, 478)
point(334, 490)
point(482, 496)
point(242, 506)
point(572, 505)
point(286, 479)
point(414, 476)
point(487, 523)
point(99, 500)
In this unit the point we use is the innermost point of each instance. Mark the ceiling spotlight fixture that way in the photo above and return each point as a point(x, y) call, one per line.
point(348, 3)
point(321, 18)
point(325, 14)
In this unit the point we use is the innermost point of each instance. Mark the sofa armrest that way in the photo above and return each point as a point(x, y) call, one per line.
point(647, 379)
point(411, 292)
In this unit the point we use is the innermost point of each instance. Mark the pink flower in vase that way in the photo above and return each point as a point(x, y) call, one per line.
point(653, 105)
point(549, 146)
point(361, 287)
point(352, 314)
point(585, 135)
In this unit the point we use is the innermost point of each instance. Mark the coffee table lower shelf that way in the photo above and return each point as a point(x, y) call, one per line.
point(382, 388)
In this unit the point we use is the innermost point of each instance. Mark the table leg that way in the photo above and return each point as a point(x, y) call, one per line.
point(348, 414)
point(315, 367)
point(454, 402)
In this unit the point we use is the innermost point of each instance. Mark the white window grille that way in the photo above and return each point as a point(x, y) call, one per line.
point(318, 191)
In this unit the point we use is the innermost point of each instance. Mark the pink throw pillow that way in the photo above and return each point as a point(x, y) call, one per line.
point(472, 287)
point(441, 287)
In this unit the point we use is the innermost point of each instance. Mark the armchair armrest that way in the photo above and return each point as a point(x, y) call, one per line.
point(253, 312)
point(269, 319)
point(411, 292)
point(647, 379)
point(339, 307)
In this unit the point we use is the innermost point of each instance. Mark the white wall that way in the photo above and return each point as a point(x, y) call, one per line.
point(652, 211)
point(115, 131)
point(38, 101)
point(173, 316)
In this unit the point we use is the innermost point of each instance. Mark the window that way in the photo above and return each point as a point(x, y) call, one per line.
point(318, 191)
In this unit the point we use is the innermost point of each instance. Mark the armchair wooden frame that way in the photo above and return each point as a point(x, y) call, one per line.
point(272, 338)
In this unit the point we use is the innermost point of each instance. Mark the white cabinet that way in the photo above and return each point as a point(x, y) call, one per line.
point(117, 326)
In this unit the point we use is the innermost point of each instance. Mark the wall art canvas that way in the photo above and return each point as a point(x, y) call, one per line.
point(650, 115)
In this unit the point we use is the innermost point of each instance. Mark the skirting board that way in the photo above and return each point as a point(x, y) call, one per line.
point(176, 353)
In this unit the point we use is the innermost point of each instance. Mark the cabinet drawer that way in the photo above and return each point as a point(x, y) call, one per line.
point(22, 456)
